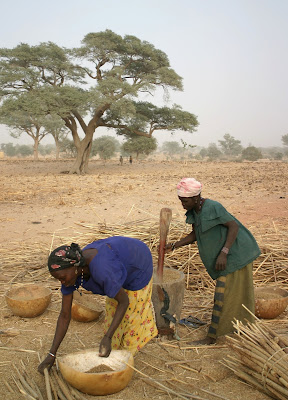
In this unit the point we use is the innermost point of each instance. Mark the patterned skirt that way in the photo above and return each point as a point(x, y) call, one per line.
point(138, 326)
point(231, 292)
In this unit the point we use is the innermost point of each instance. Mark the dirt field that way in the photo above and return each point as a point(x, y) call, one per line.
point(40, 206)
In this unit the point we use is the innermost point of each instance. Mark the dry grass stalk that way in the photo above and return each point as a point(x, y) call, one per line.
point(8, 387)
point(158, 369)
point(163, 387)
point(53, 387)
point(25, 384)
point(202, 390)
point(15, 349)
point(47, 384)
point(62, 385)
point(76, 393)
point(22, 390)
point(169, 363)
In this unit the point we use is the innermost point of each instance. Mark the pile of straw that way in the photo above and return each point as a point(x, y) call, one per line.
point(263, 358)
point(29, 262)
point(269, 268)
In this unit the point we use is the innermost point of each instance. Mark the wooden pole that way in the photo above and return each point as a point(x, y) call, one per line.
point(165, 219)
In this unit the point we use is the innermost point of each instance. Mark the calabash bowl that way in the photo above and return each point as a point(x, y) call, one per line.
point(29, 300)
point(85, 308)
point(270, 302)
point(79, 368)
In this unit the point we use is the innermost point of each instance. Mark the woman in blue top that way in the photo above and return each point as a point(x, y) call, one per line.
point(227, 250)
point(118, 267)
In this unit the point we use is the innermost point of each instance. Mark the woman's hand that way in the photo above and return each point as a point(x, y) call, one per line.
point(47, 363)
point(167, 247)
point(221, 262)
point(105, 347)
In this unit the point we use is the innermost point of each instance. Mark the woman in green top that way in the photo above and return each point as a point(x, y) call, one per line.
point(227, 250)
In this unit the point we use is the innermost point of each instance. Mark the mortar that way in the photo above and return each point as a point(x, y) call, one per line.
point(174, 285)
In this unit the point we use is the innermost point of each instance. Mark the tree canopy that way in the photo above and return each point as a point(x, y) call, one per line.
point(105, 146)
point(172, 148)
point(213, 152)
point(24, 114)
point(230, 146)
point(251, 153)
point(96, 85)
point(140, 145)
point(285, 140)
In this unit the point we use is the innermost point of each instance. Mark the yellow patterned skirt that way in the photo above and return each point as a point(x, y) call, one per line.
point(138, 326)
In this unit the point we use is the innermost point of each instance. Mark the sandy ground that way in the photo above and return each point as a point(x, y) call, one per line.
point(37, 200)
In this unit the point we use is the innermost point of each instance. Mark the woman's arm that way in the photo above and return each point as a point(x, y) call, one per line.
point(189, 239)
point(123, 303)
point(232, 233)
point(60, 332)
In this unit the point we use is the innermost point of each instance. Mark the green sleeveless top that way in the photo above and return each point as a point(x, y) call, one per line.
point(211, 237)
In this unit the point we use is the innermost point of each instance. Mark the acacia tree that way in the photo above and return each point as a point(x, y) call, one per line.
point(230, 146)
point(22, 114)
point(171, 148)
point(140, 145)
point(96, 85)
point(105, 146)
point(26, 114)
point(251, 153)
point(9, 149)
point(213, 152)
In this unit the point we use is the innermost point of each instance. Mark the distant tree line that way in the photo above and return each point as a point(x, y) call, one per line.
point(231, 149)
point(106, 147)
point(228, 148)
point(25, 150)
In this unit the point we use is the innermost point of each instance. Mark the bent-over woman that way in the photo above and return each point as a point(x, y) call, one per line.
point(118, 267)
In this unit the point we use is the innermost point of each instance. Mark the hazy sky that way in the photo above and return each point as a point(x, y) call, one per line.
point(232, 55)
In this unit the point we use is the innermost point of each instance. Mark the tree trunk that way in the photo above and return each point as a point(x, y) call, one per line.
point(80, 165)
point(86, 157)
point(35, 148)
point(56, 139)
point(83, 146)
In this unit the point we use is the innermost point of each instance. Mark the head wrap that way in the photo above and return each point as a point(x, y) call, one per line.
point(66, 257)
point(189, 187)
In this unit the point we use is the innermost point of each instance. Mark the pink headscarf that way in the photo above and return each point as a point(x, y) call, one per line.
point(189, 187)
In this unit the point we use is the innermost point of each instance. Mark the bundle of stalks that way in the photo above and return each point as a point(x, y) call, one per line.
point(24, 383)
point(262, 358)
point(55, 387)
point(59, 388)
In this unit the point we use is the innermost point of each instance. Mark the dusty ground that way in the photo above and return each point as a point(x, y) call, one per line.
point(37, 201)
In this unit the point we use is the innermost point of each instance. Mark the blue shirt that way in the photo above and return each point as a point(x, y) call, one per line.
point(120, 262)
